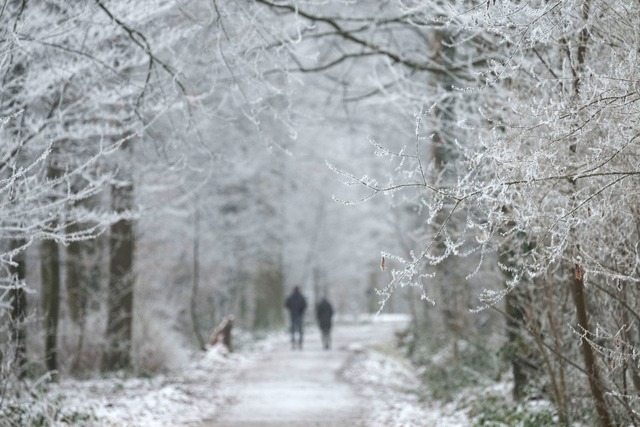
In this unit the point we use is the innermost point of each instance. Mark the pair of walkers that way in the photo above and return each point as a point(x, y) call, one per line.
point(296, 303)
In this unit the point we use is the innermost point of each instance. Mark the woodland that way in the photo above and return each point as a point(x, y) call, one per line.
point(166, 163)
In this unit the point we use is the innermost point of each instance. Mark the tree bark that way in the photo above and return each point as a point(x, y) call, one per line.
point(50, 277)
point(515, 320)
point(50, 274)
point(77, 277)
point(590, 362)
point(515, 325)
point(18, 308)
point(117, 354)
point(82, 278)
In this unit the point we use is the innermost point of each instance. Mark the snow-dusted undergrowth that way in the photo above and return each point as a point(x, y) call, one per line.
point(395, 393)
point(187, 396)
point(197, 393)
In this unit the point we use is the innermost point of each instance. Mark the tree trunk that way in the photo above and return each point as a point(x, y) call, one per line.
point(515, 322)
point(577, 283)
point(50, 273)
point(117, 354)
point(18, 308)
point(590, 362)
point(453, 291)
point(269, 296)
point(557, 376)
point(196, 278)
point(80, 255)
point(50, 276)
point(82, 278)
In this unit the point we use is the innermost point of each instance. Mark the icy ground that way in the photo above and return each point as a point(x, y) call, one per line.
point(361, 381)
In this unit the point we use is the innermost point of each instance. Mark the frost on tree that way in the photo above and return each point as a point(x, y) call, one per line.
point(546, 177)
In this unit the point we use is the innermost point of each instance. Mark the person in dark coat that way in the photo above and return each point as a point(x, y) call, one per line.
point(296, 304)
point(324, 313)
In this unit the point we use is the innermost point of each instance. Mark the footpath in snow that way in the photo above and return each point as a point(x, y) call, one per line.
point(361, 381)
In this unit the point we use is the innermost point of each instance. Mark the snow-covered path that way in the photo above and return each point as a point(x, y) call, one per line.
point(304, 388)
point(363, 381)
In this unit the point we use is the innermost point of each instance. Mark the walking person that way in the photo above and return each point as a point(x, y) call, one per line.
point(324, 313)
point(296, 304)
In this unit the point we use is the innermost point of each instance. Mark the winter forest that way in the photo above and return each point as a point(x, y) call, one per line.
point(472, 164)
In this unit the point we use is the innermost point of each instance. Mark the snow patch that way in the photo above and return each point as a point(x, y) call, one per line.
point(397, 396)
point(188, 396)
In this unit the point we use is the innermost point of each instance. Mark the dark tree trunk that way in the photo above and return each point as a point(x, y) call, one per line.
point(50, 273)
point(515, 322)
point(519, 351)
point(117, 354)
point(76, 278)
point(590, 362)
point(269, 295)
point(50, 276)
point(82, 278)
point(515, 327)
point(18, 308)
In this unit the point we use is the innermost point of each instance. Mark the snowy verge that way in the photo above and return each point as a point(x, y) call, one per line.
point(396, 395)
point(398, 398)
point(185, 397)
point(182, 398)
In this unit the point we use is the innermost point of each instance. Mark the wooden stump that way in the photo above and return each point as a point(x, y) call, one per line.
point(222, 332)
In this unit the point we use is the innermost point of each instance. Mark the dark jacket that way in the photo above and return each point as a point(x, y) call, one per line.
point(296, 303)
point(324, 313)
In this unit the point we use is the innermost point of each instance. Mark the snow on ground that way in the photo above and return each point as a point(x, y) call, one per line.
point(382, 378)
point(396, 396)
point(180, 398)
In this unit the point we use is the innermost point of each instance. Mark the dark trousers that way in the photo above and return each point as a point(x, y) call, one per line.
point(296, 327)
point(326, 338)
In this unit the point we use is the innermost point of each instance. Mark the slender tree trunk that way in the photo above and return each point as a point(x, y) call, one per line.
point(558, 377)
point(117, 354)
point(50, 273)
point(82, 277)
point(269, 296)
point(577, 283)
point(196, 278)
point(453, 293)
point(50, 276)
point(590, 362)
point(515, 329)
point(75, 287)
point(19, 308)
point(515, 320)
point(79, 257)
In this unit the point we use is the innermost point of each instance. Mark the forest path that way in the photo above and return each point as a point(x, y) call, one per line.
point(291, 388)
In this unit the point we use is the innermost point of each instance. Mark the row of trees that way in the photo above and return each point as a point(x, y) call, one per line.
point(524, 160)
point(155, 180)
point(504, 131)
point(76, 86)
